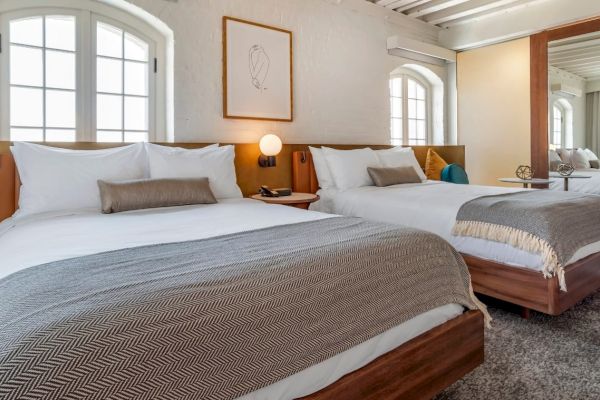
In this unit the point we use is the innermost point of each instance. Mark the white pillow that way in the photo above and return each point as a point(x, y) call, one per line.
point(349, 167)
point(400, 157)
point(216, 164)
point(579, 159)
point(591, 155)
point(553, 156)
point(321, 168)
point(56, 179)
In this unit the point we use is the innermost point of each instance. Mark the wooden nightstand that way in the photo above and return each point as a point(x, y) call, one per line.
point(298, 200)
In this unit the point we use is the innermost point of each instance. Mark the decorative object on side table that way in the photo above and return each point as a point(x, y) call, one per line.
point(298, 200)
point(565, 169)
point(524, 172)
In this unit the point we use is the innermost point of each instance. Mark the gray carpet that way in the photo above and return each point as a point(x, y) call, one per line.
point(549, 358)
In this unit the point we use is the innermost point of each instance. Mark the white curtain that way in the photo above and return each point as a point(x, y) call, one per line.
point(592, 128)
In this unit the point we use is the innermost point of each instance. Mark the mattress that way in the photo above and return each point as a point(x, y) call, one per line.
point(39, 239)
point(432, 206)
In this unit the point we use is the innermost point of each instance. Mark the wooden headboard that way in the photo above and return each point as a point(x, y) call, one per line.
point(304, 177)
point(249, 175)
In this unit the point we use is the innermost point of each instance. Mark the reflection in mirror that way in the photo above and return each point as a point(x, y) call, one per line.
point(574, 100)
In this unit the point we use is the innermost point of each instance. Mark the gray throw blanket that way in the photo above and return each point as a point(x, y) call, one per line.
point(549, 223)
point(216, 318)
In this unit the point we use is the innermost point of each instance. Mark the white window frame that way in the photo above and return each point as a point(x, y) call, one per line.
point(87, 12)
point(405, 75)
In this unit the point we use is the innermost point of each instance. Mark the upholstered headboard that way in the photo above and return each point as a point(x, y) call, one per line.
point(304, 177)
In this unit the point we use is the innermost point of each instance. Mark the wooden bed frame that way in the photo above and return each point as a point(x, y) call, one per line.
point(418, 369)
point(524, 287)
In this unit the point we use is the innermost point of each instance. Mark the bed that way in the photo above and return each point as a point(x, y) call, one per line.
point(498, 270)
point(96, 279)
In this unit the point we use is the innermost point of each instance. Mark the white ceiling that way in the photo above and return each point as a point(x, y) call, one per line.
point(448, 13)
point(579, 55)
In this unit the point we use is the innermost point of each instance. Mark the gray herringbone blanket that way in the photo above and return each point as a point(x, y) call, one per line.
point(549, 223)
point(216, 318)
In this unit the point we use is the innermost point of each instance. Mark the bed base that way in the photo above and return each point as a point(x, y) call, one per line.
point(420, 368)
point(529, 289)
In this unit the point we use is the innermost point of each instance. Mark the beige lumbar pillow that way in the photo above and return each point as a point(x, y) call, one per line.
point(393, 176)
point(153, 193)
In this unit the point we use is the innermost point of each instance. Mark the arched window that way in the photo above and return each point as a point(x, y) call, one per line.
point(561, 124)
point(409, 111)
point(85, 74)
point(416, 106)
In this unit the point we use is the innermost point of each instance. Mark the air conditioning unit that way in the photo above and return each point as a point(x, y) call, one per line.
point(565, 90)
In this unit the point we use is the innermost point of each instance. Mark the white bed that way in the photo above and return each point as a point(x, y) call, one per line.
point(431, 206)
point(53, 236)
point(581, 185)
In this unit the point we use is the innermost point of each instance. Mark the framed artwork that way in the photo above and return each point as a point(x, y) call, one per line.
point(257, 71)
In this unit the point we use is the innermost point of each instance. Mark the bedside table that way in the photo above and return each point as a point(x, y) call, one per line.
point(298, 200)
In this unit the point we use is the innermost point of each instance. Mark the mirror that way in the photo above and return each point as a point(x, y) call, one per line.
point(573, 99)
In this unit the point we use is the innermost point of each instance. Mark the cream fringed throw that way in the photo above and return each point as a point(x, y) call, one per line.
point(216, 318)
point(553, 224)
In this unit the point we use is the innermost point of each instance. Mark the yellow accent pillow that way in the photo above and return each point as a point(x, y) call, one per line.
point(434, 165)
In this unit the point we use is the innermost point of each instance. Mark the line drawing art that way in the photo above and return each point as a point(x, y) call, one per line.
point(259, 66)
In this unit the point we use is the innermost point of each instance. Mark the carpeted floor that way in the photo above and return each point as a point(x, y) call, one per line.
point(549, 358)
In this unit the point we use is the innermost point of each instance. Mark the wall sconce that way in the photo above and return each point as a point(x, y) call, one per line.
point(270, 145)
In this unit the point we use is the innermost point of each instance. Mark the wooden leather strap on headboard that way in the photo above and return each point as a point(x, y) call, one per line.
point(304, 176)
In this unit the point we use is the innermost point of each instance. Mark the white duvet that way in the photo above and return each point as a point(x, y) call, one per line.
point(432, 206)
point(39, 239)
point(581, 185)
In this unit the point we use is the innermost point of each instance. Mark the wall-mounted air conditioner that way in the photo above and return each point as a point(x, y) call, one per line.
point(565, 90)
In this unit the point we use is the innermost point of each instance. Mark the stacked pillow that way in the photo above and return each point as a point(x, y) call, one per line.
point(579, 158)
point(347, 169)
point(55, 179)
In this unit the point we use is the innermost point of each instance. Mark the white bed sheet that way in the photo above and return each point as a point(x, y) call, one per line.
point(38, 239)
point(587, 185)
point(432, 206)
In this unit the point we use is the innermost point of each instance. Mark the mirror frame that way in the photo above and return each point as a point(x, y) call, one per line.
point(539, 87)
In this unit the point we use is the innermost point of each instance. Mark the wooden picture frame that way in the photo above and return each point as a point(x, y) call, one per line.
point(258, 71)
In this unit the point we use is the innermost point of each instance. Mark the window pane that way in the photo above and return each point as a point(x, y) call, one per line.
point(412, 109)
point(27, 31)
point(132, 137)
point(396, 107)
point(421, 110)
point(108, 136)
point(60, 69)
point(26, 66)
point(136, 113)
point(60, 32)
point(60, 135)
point(412, 89)
point(60, 109)
point(135, 48)
point(397, 128)
point(396, 87)
point(420, 92)
point(136, 78)
point(421, 133)
point(109, 40)
point(26, 135)
point(412, 128)
point(110, 75)
point(26, 107)
point(109, 111)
